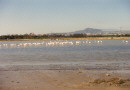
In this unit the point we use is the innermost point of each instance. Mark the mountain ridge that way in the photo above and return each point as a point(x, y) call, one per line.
point(89, 30)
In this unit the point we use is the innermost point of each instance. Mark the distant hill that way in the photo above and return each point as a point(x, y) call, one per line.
point(97, 31)
point(89, 30)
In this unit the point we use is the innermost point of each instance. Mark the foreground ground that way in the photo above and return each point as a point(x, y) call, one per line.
point(64, 80)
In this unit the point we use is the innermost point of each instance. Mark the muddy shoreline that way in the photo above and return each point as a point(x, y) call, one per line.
point(109, 67)
point(65, 77)
point(65, 80)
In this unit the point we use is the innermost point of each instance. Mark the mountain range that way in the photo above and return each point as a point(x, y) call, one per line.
point(102, 31)
point(89, 30)
point(97, 31)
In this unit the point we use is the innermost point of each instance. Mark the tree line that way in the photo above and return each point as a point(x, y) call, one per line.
point(54, 36)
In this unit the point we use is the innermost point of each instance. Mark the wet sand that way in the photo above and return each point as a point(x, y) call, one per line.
point(54, 78)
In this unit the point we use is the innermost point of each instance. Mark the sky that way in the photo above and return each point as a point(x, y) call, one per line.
point(51, 16)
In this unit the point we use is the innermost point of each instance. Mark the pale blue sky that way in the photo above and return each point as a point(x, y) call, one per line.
point(45, 16)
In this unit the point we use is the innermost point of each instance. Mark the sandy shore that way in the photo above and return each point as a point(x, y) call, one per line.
point(63, 79)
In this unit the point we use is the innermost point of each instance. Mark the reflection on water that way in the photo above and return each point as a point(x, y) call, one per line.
point(64, 51)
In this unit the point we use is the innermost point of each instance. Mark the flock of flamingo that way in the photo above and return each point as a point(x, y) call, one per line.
point(51, 43)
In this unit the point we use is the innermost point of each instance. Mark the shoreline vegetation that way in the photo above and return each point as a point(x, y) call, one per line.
point(82, 36)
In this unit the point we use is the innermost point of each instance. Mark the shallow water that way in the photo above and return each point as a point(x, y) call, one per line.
point(83, 52)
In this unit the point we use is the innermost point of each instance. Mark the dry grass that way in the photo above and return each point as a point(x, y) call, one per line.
point(104, 82)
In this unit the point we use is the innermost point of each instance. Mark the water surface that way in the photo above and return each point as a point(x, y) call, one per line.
point(81, 52)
